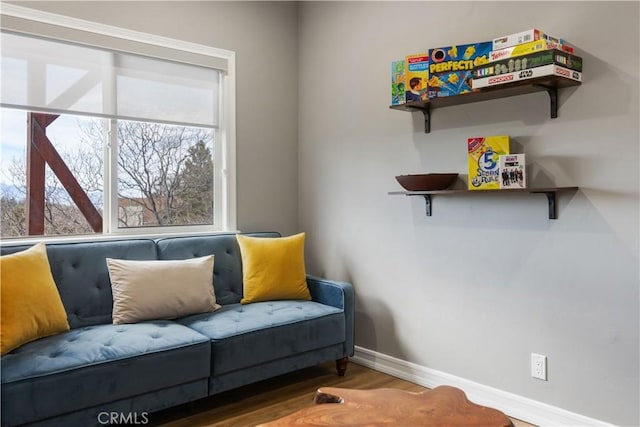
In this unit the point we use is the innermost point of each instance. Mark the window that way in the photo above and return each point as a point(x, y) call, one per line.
point(109, 135)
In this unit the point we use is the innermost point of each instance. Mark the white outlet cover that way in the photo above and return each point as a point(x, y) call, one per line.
point(539, 366)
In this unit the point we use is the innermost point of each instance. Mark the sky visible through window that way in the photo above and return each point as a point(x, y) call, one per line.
point(12, 139)
point(64, 133)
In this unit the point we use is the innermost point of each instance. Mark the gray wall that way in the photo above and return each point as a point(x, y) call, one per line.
point(264, 37)
point(488, 279)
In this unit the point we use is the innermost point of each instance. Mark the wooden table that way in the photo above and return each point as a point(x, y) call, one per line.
point(443, 406)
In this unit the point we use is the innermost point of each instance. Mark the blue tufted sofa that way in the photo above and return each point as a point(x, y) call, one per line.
point(81, 377)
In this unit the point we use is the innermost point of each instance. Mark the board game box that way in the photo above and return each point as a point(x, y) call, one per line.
point(518, 50)
point(533, 60)
point(398, 83)
point(416, 77)
point(517, 38)
point(531, 73)
point(513, 171)
point(530, 36)
point(483, 157)
point(450, 68)
point(526, 49)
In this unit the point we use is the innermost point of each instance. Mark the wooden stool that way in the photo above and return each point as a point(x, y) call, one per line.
point(443, 406)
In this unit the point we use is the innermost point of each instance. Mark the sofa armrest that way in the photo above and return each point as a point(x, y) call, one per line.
point(339, 295)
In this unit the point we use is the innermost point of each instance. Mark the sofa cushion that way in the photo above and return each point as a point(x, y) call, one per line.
point(227, 272)
point(248, 335)
point(80, 273)
point(273, 268)
point(167, 289)
point(31, 305)
point(98, 364)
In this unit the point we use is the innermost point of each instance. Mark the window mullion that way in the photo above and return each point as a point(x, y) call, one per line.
point(111, 146)
point(111, 176)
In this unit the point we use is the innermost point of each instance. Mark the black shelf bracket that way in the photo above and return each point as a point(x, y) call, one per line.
point(551, 198)
point(553, 99)
point(427, 119)
point(427, 201)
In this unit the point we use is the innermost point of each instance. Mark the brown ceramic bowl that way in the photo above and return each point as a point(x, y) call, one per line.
point(427, 182)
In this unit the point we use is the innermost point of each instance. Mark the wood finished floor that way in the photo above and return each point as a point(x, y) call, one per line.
point(274, 398)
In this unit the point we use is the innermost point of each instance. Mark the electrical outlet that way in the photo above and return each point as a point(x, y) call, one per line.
point(539, 366)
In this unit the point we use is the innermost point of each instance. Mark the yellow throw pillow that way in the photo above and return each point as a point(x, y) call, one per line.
point(273, 268)
point(31, 305)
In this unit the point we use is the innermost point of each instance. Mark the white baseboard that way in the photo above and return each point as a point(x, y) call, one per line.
point(522, 408)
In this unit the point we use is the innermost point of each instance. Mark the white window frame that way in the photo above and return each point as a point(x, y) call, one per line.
point(29, 22)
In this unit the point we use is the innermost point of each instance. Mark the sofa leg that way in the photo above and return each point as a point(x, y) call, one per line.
point(341, 366)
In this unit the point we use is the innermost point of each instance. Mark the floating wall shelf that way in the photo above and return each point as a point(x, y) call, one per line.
point(549, 192)
point(550, 84)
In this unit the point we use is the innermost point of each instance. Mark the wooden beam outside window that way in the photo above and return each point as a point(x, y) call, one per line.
point(40, 151)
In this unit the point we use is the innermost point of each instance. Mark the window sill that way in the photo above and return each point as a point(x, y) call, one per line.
point(107, 237)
